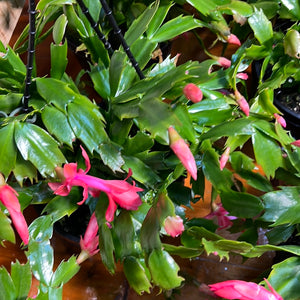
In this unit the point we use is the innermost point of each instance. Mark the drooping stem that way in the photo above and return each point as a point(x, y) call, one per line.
point(30, 55)
point(119, 34)
point(95, 26)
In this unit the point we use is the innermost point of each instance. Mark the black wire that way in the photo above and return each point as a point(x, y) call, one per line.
point(30, 55)
point(118, 33)
point(95, 26)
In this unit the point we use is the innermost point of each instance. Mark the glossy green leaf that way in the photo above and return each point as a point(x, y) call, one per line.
point(100, 77)
point(59, 29)
point(7, 288)
point(256, 180)
point(64, 272)
point(86, 125)
point(61, 206)
point(156, 121)
point(140, 25)
point(21, 277)
point(221, 180)
point(41, 259)
point(111, 155)
point(37, 146)
point(282, 207)
point(241, 205)
point(139, 143)
point(237, 7)
point(140, 171)
point(124, 230)
point(15, 60)
point(240, 161)
point(59, 60)
point(211, 248)
point(55, 91)
point(24, 169)
point(285, 278)
point(164, 270)
point(136, 275)
point(293, 7)
point(106, 247)
point(182, 251)
point(175, 27)
point(8, 150)
point(267, 153)
point(204, 7)
point(262, 28)
point(231, 128)
point(9, 102)
point(6, 231)
point(55, 120)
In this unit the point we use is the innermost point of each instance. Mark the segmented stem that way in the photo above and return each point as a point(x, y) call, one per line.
point(30, 55)
point(95, 26)
point(118, 33)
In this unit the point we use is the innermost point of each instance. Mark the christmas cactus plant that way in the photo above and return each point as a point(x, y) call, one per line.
point(123, 135)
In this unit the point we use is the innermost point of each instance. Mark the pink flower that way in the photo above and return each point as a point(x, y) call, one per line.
point(280, 120)
point(243, 290)
point(243, 76)
point(224, 158)
point(192, 92)
point(174, 225)
point(224, 62)
point(8, 197)
point(296, 143)
point(233, 39)
point(183, 152)
point(219, 212)
point(243, 104)
point(89, 244)
point(118, 191)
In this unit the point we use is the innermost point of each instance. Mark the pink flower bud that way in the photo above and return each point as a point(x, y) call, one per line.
point(174, 225)
point(224, 62)
point(280, 120)
point(238, 289)
point(296, 143)
point(183, 152)
point(243, 76)
point(243, 104)
point(193, 93)
point(233, 39)
point(224, 158)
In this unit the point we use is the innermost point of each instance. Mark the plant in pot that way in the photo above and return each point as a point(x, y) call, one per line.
point(124, 147)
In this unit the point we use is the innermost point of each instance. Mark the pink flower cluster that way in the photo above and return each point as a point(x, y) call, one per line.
point(118, 191)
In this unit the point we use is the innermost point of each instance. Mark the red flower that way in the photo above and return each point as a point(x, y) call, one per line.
point(183, 152)
point(280, 120)
point(243, 290)
point(243, 76)
point(219, 212)
point(296, 143)
point(224, 62)
point(174, 225)
point(118, 191)
point(89, 244)
point(193, 93)
point(8, 197)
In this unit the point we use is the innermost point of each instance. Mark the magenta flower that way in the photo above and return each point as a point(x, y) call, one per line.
point(296, 143)
point(193, 93)
point(8, 197)
point(174, 225)
point(224, 158)
point(224, 62)
point(183, 152)
point(233, 39)
point(243, 76)
point(280, 120)
point(118, 191)
point(219, 212)
point(243, 290)
point(242, 102)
